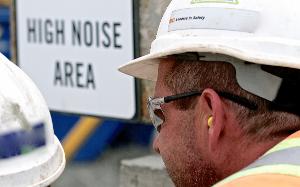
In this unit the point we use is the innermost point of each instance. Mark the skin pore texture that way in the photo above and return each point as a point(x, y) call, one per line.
point(194, 154)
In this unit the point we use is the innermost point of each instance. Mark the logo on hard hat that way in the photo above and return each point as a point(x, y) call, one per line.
point(172, 20)
point(19, 142)
point(215, 1)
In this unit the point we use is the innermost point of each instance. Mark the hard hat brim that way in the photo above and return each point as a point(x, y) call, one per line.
point(59, 167)
point(146, 67)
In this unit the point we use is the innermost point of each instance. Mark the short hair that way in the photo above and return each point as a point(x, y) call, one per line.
point(191, 75)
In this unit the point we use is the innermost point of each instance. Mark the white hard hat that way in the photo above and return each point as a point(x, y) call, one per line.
point(30, 153)
point(263, 32)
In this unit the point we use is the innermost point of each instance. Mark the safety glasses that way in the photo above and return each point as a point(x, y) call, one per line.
point(157, 114)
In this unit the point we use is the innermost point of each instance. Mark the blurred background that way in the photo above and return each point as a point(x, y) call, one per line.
point(96, 146)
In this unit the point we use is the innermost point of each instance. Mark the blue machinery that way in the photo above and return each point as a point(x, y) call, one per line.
point(4, 31)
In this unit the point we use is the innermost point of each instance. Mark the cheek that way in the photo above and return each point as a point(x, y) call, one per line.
point(177, 139)
point(180, 148)
point(169, 139)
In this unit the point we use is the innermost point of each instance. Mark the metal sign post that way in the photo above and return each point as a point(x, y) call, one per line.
point(72, 49)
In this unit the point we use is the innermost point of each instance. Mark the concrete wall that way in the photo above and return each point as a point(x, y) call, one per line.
point(146, 171)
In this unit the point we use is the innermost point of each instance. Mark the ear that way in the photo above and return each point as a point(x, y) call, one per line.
point(212, 106)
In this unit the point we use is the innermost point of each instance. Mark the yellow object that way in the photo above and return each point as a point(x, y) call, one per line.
point(77, 136)
point(277, 167)
point(209, 121)
point(5, 3)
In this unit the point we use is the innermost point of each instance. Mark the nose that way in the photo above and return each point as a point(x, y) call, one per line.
point(156, 144)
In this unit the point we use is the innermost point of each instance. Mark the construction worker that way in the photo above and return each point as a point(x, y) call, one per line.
point(30, 153)
point(227, 95)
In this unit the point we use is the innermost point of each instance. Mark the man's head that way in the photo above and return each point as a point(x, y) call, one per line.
point(237, 98)
point(177, 140)
point(195, 153)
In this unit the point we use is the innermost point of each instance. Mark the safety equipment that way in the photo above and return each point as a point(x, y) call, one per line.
point(279, 166)
point(156, 112)
point(258, 31)
point(263, 32)
point(30, 153)
point(209, 121)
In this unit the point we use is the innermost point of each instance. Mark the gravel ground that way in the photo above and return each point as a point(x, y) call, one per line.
point(104, 172)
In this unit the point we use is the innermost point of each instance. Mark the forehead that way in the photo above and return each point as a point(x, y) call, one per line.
point(165, 67)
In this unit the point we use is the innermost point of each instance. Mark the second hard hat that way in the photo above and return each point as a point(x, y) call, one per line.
point(30, 153)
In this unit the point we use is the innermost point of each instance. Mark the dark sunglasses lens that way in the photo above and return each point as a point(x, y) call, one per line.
point(159, 118)
point(156, 114)
point(159, 114)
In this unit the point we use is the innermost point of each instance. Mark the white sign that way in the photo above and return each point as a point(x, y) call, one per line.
point(72, 49)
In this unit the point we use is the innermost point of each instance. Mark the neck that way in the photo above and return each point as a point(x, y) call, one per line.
point(246, 152)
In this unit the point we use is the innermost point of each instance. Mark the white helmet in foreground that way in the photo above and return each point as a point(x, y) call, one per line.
point(30, 153)
point(263, 32)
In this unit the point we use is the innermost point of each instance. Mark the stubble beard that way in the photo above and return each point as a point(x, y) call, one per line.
point(186, 165)
point(201, 174)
